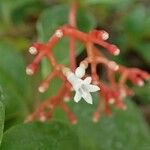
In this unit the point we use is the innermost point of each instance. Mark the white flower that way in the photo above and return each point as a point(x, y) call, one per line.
point(82, 87)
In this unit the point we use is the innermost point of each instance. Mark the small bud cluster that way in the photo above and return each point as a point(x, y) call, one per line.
point(112, 92)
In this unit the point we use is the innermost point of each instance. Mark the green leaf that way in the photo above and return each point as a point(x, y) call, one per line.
point(125, 130)
point(148, 24)
point(2, 116)
point(28, 10)
point(143, 50)
point(102, 1)
point(143, 93)
point(40, 136)
point(135, 24)
point(11, 11)
point(14, 84)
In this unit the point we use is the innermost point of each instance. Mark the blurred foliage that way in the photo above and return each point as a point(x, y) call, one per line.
point(54, 135)
point(2, 118)
point(111, 133)
point(24, 21)
point(15, 87)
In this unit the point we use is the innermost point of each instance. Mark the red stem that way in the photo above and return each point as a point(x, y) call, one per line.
point(72, 23)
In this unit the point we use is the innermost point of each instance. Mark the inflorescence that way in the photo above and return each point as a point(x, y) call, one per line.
point(111, 93)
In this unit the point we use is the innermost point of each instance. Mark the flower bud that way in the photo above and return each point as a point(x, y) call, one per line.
point(43, 87)
point(80, 72)
point(59, 33)
point(113, 65)
point(111, 101)
point(113, 50)
point(140, 83)
point(33, 50)
point(31, 69)
point(96, 117)
point(100, 34)
point(104, 35)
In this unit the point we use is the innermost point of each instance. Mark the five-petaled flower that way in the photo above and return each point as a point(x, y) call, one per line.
point(82, 87)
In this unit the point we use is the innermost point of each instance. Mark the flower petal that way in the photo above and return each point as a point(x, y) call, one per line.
point(80, 72)
point(77, 97)
point(92, 88)
point(87, 97)
point(87, 80)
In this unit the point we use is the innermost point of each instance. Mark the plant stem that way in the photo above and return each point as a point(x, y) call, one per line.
point(72, 23)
